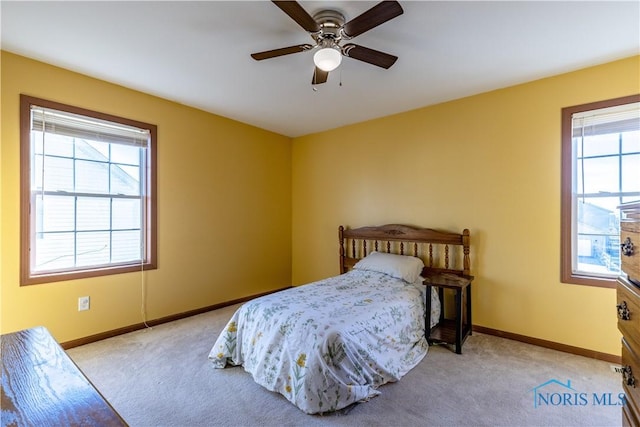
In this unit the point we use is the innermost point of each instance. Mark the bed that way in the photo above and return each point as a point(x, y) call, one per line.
point(329, 344)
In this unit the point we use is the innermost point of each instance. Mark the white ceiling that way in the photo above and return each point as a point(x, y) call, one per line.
point(197, 53)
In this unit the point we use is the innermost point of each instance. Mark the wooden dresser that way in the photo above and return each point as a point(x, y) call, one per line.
point(628, 306)
point(41, 386)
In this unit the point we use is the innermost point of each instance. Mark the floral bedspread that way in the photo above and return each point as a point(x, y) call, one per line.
point(328, 344)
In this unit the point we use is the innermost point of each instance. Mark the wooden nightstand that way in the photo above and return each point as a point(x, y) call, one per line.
point(450, 331)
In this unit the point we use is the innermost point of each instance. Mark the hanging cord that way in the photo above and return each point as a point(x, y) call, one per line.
point(143, 310)
point(143, 305)
point(582, 151)
point(143, 288)
point(42, 169)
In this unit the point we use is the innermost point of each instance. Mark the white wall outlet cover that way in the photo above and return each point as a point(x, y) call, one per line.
point(83, 303)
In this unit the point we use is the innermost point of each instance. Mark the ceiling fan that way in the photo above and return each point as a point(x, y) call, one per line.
point(328, 29)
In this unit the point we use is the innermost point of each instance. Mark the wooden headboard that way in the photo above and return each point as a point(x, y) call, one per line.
point(441, 251)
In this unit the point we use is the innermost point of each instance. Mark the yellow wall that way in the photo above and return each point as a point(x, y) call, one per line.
point(490, 163)
point(231, 197)
point(224, 210)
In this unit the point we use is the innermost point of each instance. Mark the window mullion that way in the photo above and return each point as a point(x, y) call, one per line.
point(142, 190)
point(111, 229)
point(619, 167)
point(75, 207)
point(109, 186)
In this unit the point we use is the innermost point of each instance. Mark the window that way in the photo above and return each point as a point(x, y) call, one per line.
point(87, 193)
point(600, 170)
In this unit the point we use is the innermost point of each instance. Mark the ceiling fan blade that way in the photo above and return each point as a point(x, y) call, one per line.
point(298, 14)
point(319, 76)
point(259, 56)
point(370, 56)
point(378, 14)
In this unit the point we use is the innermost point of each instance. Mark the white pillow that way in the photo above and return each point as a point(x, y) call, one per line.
point(407, 268)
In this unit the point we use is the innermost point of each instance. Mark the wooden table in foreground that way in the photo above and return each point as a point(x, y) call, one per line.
point(42, 386)
point(450, 331)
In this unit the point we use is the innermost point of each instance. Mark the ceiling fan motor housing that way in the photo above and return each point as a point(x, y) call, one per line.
point(331, 23)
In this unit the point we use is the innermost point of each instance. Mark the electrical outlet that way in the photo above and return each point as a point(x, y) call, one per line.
point(83, 303)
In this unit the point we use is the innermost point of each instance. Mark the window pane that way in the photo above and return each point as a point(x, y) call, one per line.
point(92, 150)
point(37, 142)
point(55, 213)
point(93, 248)
point(598, 145)
point(631, 142)
point(37, 174)
point(58, 174)
point(598, 239)
point(93, 214)
point(54, 251)
point(126, 246)
point(631, 173)
point(125, 180)
point(125, 154)
point(600, 175)
point(56, 145)
point(608, 205)
point(92, 177)
point(126, 214)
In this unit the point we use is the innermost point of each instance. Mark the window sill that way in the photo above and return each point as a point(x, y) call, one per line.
point(37, 279)
point(599, 282)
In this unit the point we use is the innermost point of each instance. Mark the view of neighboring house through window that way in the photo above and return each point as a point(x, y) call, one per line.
point(601, 170)
point(87, 190)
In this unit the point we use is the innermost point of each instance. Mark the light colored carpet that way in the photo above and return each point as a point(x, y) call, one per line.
point(162, 377)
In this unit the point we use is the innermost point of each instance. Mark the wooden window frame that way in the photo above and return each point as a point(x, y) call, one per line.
point(566, 271)
point(149, 261)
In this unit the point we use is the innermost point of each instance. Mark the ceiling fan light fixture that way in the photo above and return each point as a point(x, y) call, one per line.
point(327, 58)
